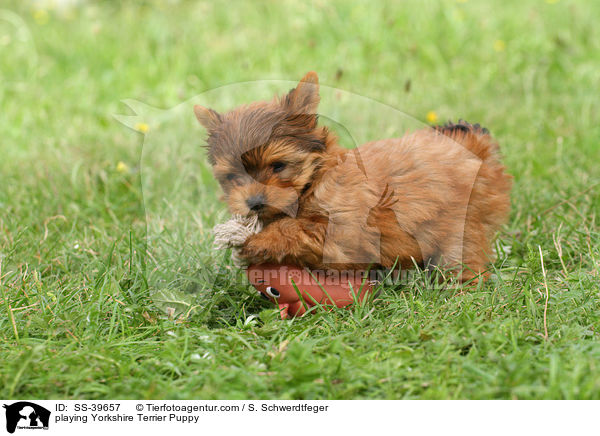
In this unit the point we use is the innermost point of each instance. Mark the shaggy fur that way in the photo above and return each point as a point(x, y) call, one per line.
point(434, 197)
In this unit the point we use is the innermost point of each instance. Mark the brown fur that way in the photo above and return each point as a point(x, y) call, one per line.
point(435, 197)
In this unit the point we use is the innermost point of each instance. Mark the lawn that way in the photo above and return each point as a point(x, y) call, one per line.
point(110, 287)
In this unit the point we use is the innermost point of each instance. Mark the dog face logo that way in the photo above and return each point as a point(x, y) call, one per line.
point(26, 415)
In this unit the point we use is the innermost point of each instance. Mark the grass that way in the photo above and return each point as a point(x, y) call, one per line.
point(94, 245)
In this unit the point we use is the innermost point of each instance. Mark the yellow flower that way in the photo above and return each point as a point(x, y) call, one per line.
point(499, 45)
point(122, 167)
point(142, 127)
point(431, 117)
point(40, 16)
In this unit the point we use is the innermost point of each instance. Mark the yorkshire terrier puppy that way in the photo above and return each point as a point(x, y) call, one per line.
point(434, 197)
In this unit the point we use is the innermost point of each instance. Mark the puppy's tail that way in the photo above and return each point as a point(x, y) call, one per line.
point(473, 137)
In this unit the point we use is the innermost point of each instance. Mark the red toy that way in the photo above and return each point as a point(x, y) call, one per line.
point(275, 282)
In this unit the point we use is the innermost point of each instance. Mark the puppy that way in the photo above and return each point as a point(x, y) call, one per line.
point(435, 197)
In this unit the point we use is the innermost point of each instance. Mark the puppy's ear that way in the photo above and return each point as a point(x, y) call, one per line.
point(207, 117)
point(304, 98)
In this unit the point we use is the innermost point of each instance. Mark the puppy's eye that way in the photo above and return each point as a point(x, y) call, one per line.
point(278, 166)
point(230, 177)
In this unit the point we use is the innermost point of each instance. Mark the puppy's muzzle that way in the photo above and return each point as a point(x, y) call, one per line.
point(256, 202)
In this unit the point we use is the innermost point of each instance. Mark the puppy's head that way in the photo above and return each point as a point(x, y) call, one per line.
point(266, 154)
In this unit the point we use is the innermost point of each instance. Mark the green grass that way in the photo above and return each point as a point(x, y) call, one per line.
point(87, 273)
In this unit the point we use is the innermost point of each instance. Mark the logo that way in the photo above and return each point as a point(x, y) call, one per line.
point(26, 415)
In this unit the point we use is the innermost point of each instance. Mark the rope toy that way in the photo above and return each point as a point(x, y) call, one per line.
point(233, 233)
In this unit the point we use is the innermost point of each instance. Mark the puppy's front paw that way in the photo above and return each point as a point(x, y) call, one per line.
point(256, 251)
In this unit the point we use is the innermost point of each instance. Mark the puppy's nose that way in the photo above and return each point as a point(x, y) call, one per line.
point(256, 202)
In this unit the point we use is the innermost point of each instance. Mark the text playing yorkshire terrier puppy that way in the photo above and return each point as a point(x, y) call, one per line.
point(434, 197)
